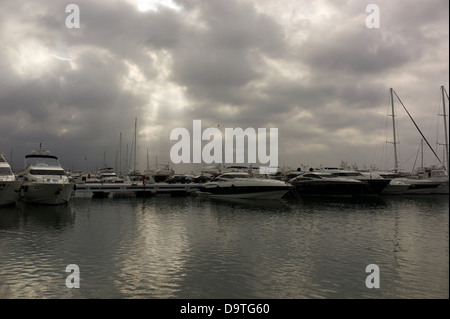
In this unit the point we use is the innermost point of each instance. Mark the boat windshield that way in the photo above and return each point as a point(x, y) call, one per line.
point(346, 174)
point(47, 172)
point(5, 171)
point(230, 176)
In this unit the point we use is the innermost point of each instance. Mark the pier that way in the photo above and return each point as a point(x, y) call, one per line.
point(138, 189)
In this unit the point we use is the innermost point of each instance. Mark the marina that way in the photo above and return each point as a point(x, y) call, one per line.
point(228, 149)
point(45, 182)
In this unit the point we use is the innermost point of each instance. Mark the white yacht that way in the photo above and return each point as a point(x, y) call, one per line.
point(434, 174)
point(414, 185)
point(9, 186)
point(44, 181)
point(107, 175)
point(243, 186)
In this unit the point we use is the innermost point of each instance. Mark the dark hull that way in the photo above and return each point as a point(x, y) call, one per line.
point(326, 188)
point(376, 186)
point(264, 192)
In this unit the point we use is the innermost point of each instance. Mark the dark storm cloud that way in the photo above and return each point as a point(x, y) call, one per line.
point(312, 69)
point(216, 62)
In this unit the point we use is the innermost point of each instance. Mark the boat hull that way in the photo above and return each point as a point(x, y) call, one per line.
point(395, 189)
point(326, 188)
point(9, 192)
point(46, 193)
point(441, 189)
point(376, 186)
point(246, 190)
point(422, 187)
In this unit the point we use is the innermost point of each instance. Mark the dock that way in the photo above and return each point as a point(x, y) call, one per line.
point(99, 190)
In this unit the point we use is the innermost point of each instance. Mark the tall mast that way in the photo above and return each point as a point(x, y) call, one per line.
point(421, 152)
point(135, 144)
point(395, 136)
point(445, 127)
point(120, 154)
point(11, 160)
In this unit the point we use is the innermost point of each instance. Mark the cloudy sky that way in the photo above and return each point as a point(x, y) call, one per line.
point(312, 69)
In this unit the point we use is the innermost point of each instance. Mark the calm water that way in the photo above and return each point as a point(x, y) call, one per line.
point(192, 247)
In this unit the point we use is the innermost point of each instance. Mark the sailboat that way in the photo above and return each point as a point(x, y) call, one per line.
point(135, 175)
point(416, 186)
point(434, 172)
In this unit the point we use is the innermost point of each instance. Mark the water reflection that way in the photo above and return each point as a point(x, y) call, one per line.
point(55, 216)
point(151, 262)
point(165, 247)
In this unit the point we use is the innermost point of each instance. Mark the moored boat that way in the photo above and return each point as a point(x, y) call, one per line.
point(374, 184)
point(107, 175)
point(325, 184)
point(9, 186)
point(243, 186)
point(44, 181)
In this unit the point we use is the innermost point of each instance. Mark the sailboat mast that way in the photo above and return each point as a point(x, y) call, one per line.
point(120, 154)
point(445, 126)
point(135, 144)
point(395, 136)
point(421, 153)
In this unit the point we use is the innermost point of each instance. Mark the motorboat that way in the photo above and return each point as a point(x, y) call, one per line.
point(9, 186)
point(414, 185)
point(240, 185)
point(317, 183)
point(162, 174)
point(375, 184)
point(107, 175)
point(398, 185)
point(44, 181)
point(435, 174)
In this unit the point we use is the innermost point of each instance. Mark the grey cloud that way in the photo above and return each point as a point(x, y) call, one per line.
point(232, 62)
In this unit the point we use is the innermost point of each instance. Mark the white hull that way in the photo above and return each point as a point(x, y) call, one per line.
point(240, 186)
point(441, 189)
point(395, 188)
point(419, 186)
point(46, 194)
point(9, 192)
point(420, 191)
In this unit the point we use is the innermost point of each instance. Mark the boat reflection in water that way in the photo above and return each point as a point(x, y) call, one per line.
point(55, 216)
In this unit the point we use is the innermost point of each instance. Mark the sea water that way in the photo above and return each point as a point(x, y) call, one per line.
point(165, 247)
